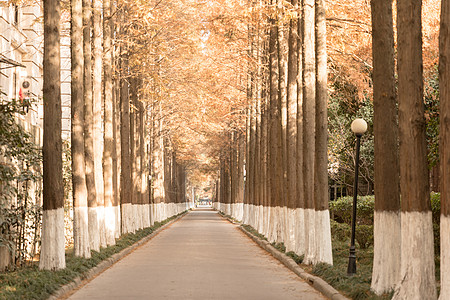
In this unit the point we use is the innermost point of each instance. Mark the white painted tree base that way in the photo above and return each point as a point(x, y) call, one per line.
point(110, 225)
point(387, 251)
point(94, 237)
point(81, 244)
point(310, 239)
point(101, 226)
point(299, 231)
point(127, 218)
point(417, 279)
point(146, 215)
point(445, 258)
point(261, 220)
point(118, 221)
point(245, 214)
point(52, 255)
point(324, 251)
point(290, 230)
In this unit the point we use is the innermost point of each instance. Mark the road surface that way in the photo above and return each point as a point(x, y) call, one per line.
point(202, 256)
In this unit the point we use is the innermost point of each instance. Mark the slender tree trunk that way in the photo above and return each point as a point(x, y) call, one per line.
point(94, 237)
point(52, 240)
point(282, 53)
point(299, 200)
point(309, 114)
point(322, 218)
point(417, 279)
point(444, 134)
point(108, 148)
point(291, 128)
point(276, 144)
point(125, 178)
point(97, 115)
point(80, 207)
point(134, 154)
point(387, 235)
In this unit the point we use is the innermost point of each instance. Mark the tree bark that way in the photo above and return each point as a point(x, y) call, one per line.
point(97, 115)
point(444, 134)
point(94, 237)
point(52, 240)
point(417, 279)
point(322, 218)
point(125, 178)
point(387, 236)
point(309, 115)
point(108, 149)
point(291, 128)
point(80, 213)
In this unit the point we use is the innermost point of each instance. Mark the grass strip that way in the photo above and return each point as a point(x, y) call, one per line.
point(31, 283)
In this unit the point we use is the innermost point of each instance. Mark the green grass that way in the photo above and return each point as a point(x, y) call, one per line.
point(356, 286)
point(31, 283)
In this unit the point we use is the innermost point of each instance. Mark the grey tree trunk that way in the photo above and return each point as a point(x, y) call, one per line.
point(80, 213)
point(387, 236)
point(417, 279)
point(52, 240)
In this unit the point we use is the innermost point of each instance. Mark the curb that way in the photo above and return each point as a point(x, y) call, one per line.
point(101, 267)
point(317, 282)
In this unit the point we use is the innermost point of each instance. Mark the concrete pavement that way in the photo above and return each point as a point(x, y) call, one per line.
point(202, 256)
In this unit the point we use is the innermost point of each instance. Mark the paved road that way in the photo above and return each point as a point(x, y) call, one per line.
point(202, 256)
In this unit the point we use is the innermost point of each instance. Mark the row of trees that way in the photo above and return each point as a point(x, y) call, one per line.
point(126, 173)
point(285, 193)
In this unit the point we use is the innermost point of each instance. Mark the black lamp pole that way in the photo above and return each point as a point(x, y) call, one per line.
point(352, 257)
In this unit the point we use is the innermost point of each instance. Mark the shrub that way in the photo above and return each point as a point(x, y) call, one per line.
point(436, 207)
point(343, 207)
point(340, 231)
point(364, 235)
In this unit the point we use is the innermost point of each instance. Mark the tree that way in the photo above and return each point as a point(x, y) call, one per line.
point(52, 241)
point(417, 279)
point(387, 236)
point(291, 128)
point(80, 211)
point(444, 73)
point(309, 115)
point(97, 115)
point(108, 148)
point(322, 214)
point(94, 237)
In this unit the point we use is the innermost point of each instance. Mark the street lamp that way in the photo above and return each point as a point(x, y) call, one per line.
point(359, 127)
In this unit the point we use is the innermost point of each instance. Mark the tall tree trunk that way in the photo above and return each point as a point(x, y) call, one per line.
point(322, 218)
point(125, 178)
point(276, 145)
point(309, 115)
point(134, 153)
point(80, 209)
point(291, 128)
point(387, 235)
point(299, 200)
point(94, 237)
point(444, 133)
point(108, 148)
point(52, 241)
point(97, 115)
point(282, 53)
point(417, 260)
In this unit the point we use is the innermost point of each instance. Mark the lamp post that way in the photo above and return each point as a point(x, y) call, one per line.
point(359, 127)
